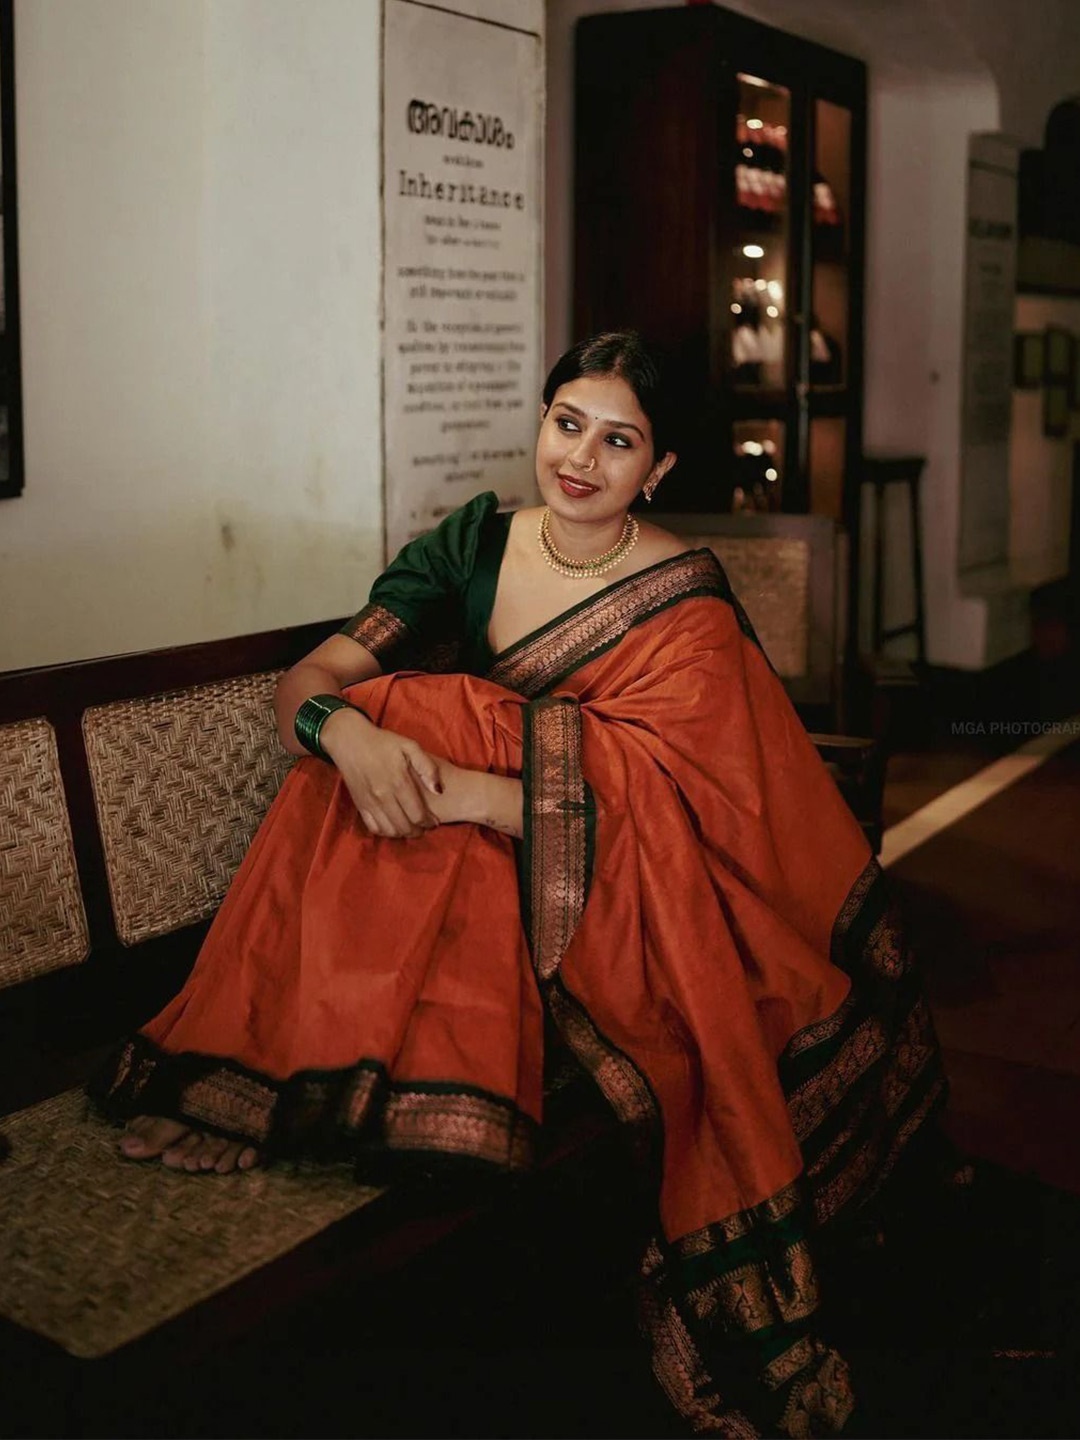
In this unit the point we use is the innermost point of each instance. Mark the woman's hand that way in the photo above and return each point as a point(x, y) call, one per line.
point(393, 781)
point(477, 798)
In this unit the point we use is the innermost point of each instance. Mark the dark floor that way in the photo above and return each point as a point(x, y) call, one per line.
point(964, 1324)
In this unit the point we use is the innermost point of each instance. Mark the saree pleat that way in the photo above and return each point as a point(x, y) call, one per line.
point(694, 907)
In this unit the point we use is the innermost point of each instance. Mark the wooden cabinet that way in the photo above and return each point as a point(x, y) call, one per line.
point(719, 190)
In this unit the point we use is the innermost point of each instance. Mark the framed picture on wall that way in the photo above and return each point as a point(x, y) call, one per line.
point(1060, 355)
point(1029, 359)
point(1056, 403)
point(11, 430)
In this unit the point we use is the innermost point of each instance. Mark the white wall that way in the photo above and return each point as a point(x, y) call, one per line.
point(916, 231)
point(199, 231)
point(1032, 49)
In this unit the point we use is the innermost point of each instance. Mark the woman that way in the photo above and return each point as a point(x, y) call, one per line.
point(690, 902)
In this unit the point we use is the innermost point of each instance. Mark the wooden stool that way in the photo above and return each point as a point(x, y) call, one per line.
point(881, 471)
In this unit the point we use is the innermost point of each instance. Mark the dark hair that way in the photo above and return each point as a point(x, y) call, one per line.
point(640, 362)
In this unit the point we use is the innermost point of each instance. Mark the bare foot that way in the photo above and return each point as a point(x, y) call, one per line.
point(179, 1147)
point(148, 1136)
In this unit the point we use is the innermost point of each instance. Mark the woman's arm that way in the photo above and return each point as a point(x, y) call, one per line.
point(398, 788)
point(389, 777)
point(477, 798)
point(331, 666)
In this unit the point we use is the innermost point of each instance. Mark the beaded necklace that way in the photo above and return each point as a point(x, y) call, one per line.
point(587, 569)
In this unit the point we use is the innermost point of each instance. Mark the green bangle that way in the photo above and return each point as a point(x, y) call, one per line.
point(312, 716)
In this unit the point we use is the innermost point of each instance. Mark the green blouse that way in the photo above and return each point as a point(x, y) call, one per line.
point(430, 608)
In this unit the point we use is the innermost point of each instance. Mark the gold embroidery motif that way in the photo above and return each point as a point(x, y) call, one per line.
point(849, 910)
point(678, 1367)
point(733, 1227)
point(123, 1069)
point(910, 1125)
point(914, 1046)
point(457, 1124)
point(377, 629)
point(617, 1078)
point(809, 1105)
point(356, 1106)
point(832, 1198)
point(822, 1030)
point(779, 1371)
point(757, 1295)
point(885, 950)
point(339, 1105)
point(532, 666)
point(855, 1119)
point(556, 798)
point(231, 1102)
point(820, 1404)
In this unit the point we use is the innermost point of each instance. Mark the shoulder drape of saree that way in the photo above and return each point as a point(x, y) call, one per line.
point(730, 971)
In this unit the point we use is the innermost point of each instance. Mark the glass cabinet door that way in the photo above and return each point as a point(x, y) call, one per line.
point(758, 473)
point(830, 338)
point(761, 235)
point(829, 283)
point(749, 261)
point(760, 267)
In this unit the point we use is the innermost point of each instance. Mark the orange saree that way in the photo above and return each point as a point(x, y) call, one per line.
point(692, 904)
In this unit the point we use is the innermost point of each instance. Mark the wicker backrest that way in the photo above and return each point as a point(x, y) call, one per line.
point(181, 782)
point(42, 919)
point(771, 577)
point(783, 570)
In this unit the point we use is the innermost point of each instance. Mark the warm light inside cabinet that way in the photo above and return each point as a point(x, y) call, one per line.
point(829, 336)
point(758, 465)
point(760, 241)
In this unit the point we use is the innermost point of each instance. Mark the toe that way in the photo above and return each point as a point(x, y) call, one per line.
point(213, 1147)
point(174, 1157)
point(226, 1161)
point(249, 1158)
point(150, 1135)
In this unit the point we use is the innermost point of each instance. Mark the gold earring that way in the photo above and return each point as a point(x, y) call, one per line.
point(650, 491)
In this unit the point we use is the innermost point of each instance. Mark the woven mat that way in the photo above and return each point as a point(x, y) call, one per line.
point(96, 1250)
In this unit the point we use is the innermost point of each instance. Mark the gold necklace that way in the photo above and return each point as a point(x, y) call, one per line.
point(587, 569)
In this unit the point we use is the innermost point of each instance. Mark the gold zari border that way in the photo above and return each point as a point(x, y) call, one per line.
point(755, 1296)
point(809, 1105)
point(457, 1124)
point(555, 795)
point(442, 1120)
point(377, 629)
point(733, 1227)
point(535, 664)
point(617, 1078)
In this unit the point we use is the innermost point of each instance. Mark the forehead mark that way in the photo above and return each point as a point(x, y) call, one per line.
point(584, 415)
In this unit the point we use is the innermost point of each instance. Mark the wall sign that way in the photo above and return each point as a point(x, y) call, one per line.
point(990, 285)
point(462, 111)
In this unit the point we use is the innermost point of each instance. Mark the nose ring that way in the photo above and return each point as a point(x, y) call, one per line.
point(586, 468)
